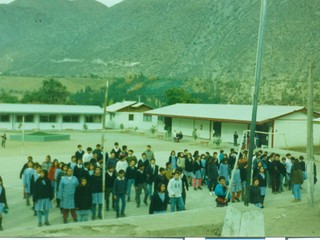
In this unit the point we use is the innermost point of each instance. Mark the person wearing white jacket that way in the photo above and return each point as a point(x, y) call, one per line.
point(175, 192)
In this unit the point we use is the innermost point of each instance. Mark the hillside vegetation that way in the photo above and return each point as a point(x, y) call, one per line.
point(207, 47)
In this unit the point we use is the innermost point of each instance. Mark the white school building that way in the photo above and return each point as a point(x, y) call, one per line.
point(129, 115)
point(282, 126)
point(49, 117)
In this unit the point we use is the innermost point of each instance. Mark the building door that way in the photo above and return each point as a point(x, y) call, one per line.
point(216, 130)
point(262, 138)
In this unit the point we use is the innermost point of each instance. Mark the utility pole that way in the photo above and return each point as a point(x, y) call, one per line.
point(255, 96)
point(310, 163)
point(102, 145)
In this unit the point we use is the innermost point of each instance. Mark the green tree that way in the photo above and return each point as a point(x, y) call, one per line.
point(51, 92)
point(178, 95)
point(8, 98)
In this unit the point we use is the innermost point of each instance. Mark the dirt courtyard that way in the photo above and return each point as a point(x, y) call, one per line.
point(201, 219)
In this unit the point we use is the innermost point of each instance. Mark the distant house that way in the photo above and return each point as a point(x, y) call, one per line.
point(279, 126)
point(129, 115)
point(47, 116)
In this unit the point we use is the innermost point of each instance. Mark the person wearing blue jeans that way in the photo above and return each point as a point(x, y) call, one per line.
point(119, 193)
point(175, 192)
point(296, 179)
point(130, 176)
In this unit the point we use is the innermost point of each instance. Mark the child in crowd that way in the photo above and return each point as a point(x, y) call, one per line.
point(109, 182)
point(159, 200)
point(130, 176)
point(141, 183)
point(83, 200)
point(262, 184)
point(95, 182)
point(119, 193)
point(221, 192)
point(43, 194)
point(255, 193)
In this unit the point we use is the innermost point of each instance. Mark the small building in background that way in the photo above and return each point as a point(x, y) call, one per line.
point(129, 115)
point(49, 117)
point(277, 126)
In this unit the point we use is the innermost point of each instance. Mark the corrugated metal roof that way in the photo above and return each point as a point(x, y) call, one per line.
point(224, 112)
point(119, 105)
point(49, 108)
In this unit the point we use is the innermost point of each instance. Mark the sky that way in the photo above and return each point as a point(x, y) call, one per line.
point(109, 3)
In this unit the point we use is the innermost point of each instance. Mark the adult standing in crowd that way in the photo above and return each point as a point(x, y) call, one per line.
point(67, 188)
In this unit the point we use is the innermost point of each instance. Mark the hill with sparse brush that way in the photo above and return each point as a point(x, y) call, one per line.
point(206, 46)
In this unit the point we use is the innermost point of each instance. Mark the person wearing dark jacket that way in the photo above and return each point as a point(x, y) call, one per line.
point(160, 178)
point(296, 178)
point(109, 182)
point(95, 182)
point(130, 176)
point(212, 173)
point(3, 201)
point(159, 200)
point(42, 196)
point(255, 194)
point(80, 171)
point(275, 173)
point(151, 172)
point(119, 193)
point(83, 200)
point(262, 185)
point(141, 183)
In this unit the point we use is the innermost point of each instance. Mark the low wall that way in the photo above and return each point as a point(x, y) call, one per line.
point(40, 138)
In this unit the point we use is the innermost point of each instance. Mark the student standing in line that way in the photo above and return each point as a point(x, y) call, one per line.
point(51, 173)
point(173, 159)
point(151, 171)
point(262, 184)
point(79, 153)
point(59, 176)
point(27, 181)
point(67, 188)
point(296, 178)
point(83, 200)
point(34, 178)
point(236, 187)
point(175, 192)
point(185, 186)
point(3, 201)
point(119, 193)
point(109, 182)
point(96, 190)
point(141, 183)
point(197, 175)
point(130, 175)
point(43, 194)
point(159, 200)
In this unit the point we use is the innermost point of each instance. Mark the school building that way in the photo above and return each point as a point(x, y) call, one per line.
point(129, 115)
point(49, 116)
point(277, 126)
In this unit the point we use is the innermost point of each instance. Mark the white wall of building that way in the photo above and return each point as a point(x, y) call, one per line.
point(292, 131)
point(184, 125)
point(138, 122)
point(228, 129)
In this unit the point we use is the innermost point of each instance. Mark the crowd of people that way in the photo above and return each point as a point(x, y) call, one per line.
point(77, 186)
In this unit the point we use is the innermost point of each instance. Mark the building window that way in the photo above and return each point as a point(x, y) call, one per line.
point(131, 117)
point(27, 118)
point(71, 118)
point(147, 118)
point(4, 118)
point(93, 119)
point(48, 118)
